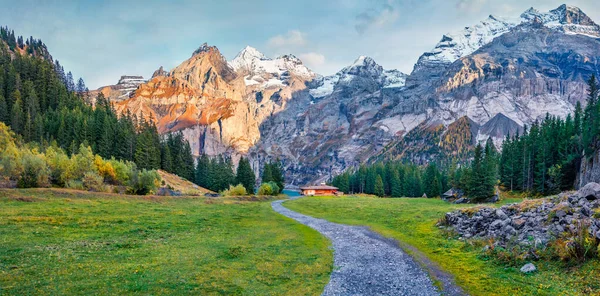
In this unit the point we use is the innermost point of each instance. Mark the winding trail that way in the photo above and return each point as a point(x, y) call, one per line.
point(366, 263)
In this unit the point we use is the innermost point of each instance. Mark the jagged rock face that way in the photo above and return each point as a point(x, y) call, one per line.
point(332, 126)
point(160, 72)
point(531, 70)
point(212, 103)
point(120, 91)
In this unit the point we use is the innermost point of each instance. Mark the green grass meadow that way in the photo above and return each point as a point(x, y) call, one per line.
point(412, 221)
point(61, 242)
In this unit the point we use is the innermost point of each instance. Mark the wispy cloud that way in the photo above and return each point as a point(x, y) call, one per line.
point(381, 15)
point(312, 59)
point(291, 38)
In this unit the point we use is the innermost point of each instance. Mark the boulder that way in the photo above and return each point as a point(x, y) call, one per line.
point(591, 191)
point(528, 268)
point(461, 200)
point(501, 214)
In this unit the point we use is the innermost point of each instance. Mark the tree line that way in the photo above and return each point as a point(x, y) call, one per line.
point(217, 174)
point(29, 165)
point(546, 157)
point(393, 179)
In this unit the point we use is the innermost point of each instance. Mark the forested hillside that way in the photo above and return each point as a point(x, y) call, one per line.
point(43, 105)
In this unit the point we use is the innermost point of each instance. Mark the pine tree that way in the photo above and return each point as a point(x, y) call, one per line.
point(166, 162)
point(17, 117)
point(396, 185)
point(245, 175)
point(278, 174)
point(70, 82)
point(4, 112)
point(80, 88)
point(267, 175)
point(379, 189)
point(203, 171)
point(478, 187)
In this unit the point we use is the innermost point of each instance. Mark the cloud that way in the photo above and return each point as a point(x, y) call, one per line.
point(291, 38)
point(471, 6)
point(376, 17)
point(312, 59)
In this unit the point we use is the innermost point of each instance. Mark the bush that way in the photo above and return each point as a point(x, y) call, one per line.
point(238, 190)
point(275, 187)
point(11, 166)
point(35, 171)
point(269, 188)
point(144, 182)
point(578, 245)
point(93, 182)
point(106, 170)
point(123, 171)
point(83, 162)
point(60, 165)
point(74, 184)
point(265, 189)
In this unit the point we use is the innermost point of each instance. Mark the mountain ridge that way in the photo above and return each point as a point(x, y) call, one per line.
point(320, 125)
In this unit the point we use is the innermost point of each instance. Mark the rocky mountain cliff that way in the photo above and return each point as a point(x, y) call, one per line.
point(120, 91)
point(482, 82)
point(218, 105)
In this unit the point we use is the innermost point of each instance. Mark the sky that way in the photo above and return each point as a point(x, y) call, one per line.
point(102, 40)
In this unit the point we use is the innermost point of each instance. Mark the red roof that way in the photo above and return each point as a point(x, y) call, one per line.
point(319, 187)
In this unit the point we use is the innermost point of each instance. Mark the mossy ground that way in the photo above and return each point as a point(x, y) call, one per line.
point(412, 221)
point(64, 242)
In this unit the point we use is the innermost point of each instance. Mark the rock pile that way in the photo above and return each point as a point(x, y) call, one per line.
point(531, 222)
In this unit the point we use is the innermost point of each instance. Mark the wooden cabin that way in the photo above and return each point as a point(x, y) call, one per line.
point(319, 190)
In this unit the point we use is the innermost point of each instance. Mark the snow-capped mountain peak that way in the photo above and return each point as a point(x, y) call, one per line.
point(453, 46)
point(266, 72)
point(364, 67)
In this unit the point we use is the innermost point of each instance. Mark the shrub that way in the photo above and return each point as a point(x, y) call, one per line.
point(105, 169)
point(61, 168)
point(275, 187)
point(35, 170)
point(123, 171)
point(265, 189)
point(93, 182)
point(83, 162)
point(144, 182)
point(238, 190)
point(74, 184)
point(11, 166)
point(577, 245)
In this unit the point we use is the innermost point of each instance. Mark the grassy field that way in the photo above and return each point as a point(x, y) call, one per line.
point(61, 242)
point(412, 221)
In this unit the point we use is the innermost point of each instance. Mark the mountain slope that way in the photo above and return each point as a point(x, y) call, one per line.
point(494, 77)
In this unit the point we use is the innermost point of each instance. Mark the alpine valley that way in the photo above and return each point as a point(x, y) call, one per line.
point(486, 81)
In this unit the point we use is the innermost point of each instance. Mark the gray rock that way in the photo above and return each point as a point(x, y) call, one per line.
point(591, 191)
point(528, 268)
point(461, 200)
point(501, 215)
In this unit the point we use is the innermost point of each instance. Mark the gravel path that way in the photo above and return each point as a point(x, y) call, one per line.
point(365, 263)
